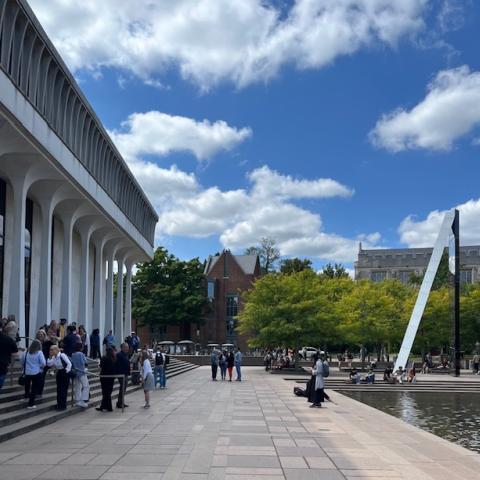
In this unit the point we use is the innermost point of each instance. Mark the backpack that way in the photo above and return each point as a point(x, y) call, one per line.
point(326, 370)
point(299, 392)
point(158, 359)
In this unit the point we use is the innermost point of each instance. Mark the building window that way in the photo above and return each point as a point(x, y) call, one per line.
point(3, 188)
point(466, 276)
point(232, 305)
point(378, 276)
point(211, 289)
point(404, 276)
point(28, 262)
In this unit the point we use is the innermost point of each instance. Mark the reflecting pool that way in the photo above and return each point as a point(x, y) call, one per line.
point(453, 416)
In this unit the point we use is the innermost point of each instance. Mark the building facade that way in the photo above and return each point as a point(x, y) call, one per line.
point(71, 212)
point(227, 276)
point(401, 263)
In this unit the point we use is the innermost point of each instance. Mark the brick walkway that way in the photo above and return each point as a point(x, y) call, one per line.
point(203, 430)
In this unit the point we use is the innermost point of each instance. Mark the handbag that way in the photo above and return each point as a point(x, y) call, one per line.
point(21, 378)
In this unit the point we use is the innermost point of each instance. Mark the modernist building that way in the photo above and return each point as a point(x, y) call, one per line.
point(70, 209)
point(227, 277)
point(382, 264)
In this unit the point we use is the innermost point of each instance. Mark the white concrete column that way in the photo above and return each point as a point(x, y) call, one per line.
point(16, 298)
point(118, 332)
point(84, 310)
point(128, 299)
point(109, 292)
point(98, 320)
point(66, 295)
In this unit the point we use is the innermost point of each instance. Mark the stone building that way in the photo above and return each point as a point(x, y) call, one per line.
point(400, 263)
point(227, 277)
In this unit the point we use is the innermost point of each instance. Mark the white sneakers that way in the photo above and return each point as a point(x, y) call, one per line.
point(82, 404)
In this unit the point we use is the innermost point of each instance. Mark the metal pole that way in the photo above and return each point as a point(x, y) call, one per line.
point(456, 295)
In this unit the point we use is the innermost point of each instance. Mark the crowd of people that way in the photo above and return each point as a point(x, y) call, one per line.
point(62, 350)
point(226, 361)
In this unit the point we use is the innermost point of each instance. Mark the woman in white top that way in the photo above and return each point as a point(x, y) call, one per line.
point(62, 365)
point(33, 364)
point(317, 372)
point(147, 375)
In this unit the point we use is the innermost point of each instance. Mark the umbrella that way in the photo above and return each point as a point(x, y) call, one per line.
point(166, 342)
point(228, 345)
point(212, 345)
point(185, 342)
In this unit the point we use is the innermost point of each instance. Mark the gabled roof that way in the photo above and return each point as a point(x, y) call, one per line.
point(246, 262)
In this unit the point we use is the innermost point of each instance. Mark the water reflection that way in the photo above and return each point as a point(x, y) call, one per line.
point(453, 416)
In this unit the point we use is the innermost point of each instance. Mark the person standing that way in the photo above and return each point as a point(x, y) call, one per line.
point(63, 366)
point(230, 364)
point(42, 337)
point(223, 365)
point(238, 364)
point(159, 369)
point(80, 381)
point(85, 339)
point(135, 342)
point(34, 362)
point(95, 344)
point(107, 367)
point(214, 364)
point(122, 368)
point(476, 363)
point(70, 341)
point(109, 340)
point(319, 370)
point(147, 375)
point(62, 329)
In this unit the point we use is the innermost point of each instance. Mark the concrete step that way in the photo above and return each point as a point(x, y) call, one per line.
point(16, 419)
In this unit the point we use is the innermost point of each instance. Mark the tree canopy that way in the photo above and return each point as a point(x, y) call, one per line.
point(267, 252)
point(295, 265)
point(169, 291)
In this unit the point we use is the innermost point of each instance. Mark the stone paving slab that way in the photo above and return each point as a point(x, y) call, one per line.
point(257, 429)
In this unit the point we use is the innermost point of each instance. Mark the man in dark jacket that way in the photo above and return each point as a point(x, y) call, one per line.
point(122, 367)
point(70, 341)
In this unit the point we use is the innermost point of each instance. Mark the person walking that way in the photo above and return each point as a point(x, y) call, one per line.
point(63, 366)
point(33, 362)
point(238, 364)
point(147, 375)
point(107, 367)
point(319, 370)
point(222, 361)
point(109, 340)
point(95, 344)
point(122, 368)
point(81, 384)
point(214, 364)
point(476, 362)
point(230, 364)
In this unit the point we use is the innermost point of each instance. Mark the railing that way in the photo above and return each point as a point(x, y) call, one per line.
point(32, 63)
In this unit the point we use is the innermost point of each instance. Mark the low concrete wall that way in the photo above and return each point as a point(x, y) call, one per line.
point(205, 360)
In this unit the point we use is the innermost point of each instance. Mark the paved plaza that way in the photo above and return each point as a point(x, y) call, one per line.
point(203, 430)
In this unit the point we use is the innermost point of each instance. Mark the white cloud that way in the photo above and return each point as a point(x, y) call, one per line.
point(212, 41)
point(157, 133)
point(423, 233)
point(448, 112)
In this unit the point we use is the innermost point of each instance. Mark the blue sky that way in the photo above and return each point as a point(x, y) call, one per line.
point(318, 123)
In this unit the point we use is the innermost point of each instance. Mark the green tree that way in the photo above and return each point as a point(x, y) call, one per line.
point(267, 252)
point(286, 310)
point(295, 265)
point(168, 291)
point(334, 271)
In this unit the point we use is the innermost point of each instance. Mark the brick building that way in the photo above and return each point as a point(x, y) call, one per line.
point(227, 277)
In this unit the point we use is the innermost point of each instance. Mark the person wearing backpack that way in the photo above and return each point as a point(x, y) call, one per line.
point(320, 371)
point(159, 368)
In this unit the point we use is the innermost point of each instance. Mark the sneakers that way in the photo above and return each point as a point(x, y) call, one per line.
point(147, 405)
point(82, 404)
point(31, 407)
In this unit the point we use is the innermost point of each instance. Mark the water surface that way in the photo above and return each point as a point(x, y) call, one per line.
point(453, 416)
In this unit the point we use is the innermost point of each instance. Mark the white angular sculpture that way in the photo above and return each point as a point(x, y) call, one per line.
point(440, 244)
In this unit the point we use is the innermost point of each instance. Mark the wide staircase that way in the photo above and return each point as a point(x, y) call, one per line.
point(16, 419)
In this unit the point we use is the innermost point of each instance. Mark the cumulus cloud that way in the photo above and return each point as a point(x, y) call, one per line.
point(448, 112)
point(157, 133)
point(423, 233)
point(213, 41)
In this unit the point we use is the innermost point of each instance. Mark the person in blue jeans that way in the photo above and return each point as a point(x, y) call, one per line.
point(159, 369)
point(223, 365)
point(238, 364)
